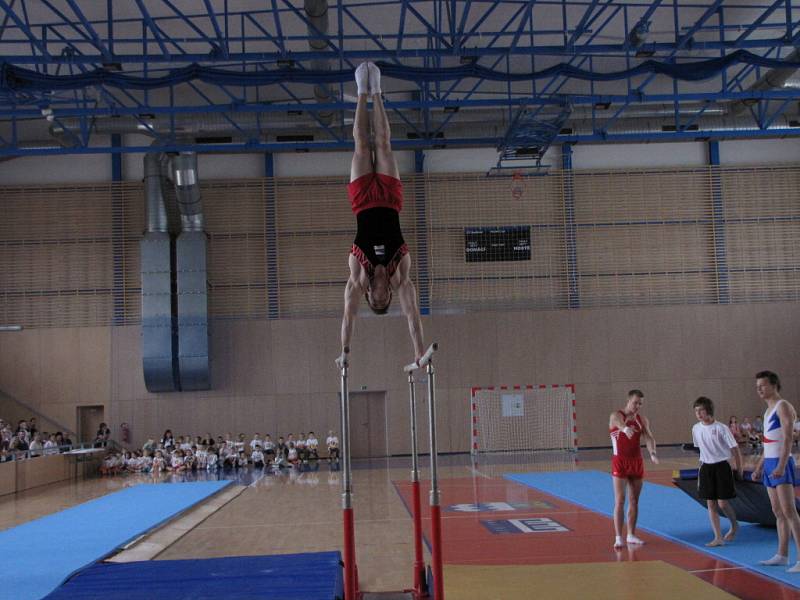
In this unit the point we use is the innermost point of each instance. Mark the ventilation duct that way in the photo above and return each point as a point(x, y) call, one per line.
point(774, 79)
point(191, 274)
point(187, 191)
point(159, 341)
point(317, 14)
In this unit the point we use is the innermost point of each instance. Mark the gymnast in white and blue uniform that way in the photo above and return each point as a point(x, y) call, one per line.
point(775, 469)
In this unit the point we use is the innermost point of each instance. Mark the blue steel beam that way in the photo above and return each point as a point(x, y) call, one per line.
point(6, 18)
point(22, 26)
point(527, 19)
point(189, 22)
point(433, 32)
point(645, 18)
point(581, 27)
point(221, 39)
point(358, 55)
point(311, 107)
point(681, 43)
point(276, 19)
point(760, 20)
point(402, 144)
point(150, 24)
point(269, 36)
point(96, 41)
point(583, 59)
point(463, 23)
point(401, 24)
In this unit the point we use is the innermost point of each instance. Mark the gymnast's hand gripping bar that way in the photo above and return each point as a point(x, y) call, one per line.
point(426, 358)
point(341, 360)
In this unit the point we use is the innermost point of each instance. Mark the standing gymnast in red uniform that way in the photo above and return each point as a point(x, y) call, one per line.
point(379, 261)
point(627, 427)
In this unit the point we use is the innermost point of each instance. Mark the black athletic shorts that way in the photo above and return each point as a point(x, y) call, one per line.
point(715, 481)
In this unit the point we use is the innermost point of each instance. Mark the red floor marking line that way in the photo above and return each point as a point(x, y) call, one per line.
point(467, 540)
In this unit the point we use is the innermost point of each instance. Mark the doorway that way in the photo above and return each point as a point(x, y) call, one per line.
point(89, 419)
point(368, 425)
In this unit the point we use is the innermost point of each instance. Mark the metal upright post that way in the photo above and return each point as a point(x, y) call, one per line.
point(420, 587)
point(436, 514)
point(350, 571)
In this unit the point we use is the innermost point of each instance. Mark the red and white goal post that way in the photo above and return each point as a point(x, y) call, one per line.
point(523, 418)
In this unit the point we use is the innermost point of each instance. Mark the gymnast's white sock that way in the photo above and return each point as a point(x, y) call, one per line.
point(362, 78)
point(374, 79)
point(795, 568)
point(777, 560)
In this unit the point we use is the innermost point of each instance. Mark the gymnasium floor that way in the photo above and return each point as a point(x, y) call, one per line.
point(300, 512)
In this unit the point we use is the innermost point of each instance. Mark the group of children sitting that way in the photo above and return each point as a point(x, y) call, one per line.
point(190, 454)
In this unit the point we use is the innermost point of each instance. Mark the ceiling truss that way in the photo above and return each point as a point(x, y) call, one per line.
point(442, 60)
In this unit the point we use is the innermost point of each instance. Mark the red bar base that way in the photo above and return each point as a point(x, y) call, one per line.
point(436, 552)
point(350, 569)
point(420, 585)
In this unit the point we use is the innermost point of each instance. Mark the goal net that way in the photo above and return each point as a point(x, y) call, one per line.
point(523, 418)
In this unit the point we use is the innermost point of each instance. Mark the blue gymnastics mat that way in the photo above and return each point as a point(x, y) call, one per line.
point(32, 567)
point(667, 512)
point(315, 576)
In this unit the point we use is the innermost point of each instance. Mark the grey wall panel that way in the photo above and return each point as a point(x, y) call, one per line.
point(158, 342)
point(192, 297)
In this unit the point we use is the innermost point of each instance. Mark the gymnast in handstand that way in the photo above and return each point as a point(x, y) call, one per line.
point(379, 261)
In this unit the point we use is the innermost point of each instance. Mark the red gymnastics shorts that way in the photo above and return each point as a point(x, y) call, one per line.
point(627, 468)
point(375, 190)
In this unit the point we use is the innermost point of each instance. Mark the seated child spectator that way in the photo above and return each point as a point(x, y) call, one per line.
point(228, 455)
point(281, 449)
point(291, 456)
point(176, 462)
point(212, 461)
point(147, 462)
point(109, 464)
point(312, 446)
point(332, 442)
point(241, 459)
point(269, 448)
point(189, 461)
point(257, 456)
point(159, 463)
point(300, 444)
point(201, 456)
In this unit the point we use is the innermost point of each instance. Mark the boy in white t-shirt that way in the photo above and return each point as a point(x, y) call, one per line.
point(332, 442)
point(312, 446)
point(715, 481)
point(300, 444)
point(269, 448)
point(257, 456)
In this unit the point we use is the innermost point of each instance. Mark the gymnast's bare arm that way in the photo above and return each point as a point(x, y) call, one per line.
point(353, 291)
point(408, 303)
